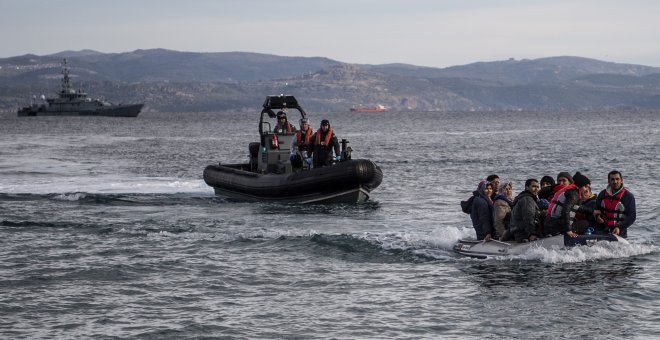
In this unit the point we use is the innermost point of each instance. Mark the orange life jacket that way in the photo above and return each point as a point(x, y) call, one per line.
point(613, 208)
point(556, 205)
point(327, 139)
point(308, 136)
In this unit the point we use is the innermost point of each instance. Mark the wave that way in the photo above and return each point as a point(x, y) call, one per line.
point(106, 185)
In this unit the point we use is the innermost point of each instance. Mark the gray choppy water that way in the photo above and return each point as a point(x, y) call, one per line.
point(108, 230)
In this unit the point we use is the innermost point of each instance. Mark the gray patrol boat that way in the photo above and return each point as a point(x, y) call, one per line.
point(71, 102)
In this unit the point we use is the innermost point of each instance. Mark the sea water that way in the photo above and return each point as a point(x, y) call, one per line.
point(108, 231)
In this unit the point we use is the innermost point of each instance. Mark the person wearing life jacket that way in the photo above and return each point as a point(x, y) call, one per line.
point(324, 142)
point(562, 207)
point(301, 145)
point(283, 126)
point(615, 206)
point(481, 213)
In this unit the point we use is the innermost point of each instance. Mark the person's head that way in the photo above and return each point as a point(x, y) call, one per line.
point(505, 189)
point(582, 182)
point(564, 178)
point(495, 179)
point(325, 125)
point(304, 124)
point(281, 117)
point(532, 185)
point(485, 188)
point(547, 181)
point(615, 180)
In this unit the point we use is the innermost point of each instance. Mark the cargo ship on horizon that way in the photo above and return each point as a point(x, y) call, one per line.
point(377, 108)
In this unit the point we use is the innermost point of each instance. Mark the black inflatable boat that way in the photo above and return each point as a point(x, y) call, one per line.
point(270, 176)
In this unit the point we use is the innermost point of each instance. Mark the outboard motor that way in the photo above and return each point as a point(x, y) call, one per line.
point(345, 150)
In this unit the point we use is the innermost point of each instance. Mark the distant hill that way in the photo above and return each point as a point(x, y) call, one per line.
point(184, 81)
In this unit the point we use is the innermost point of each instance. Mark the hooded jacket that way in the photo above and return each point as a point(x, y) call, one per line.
point(482, 213)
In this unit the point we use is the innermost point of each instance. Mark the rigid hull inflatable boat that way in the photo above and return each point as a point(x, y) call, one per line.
point(482, 249)
point(270, 176)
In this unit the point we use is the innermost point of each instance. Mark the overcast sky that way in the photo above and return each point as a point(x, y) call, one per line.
point(420, 32)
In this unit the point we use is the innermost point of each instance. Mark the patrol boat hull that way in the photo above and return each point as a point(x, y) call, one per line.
point(481, 249)
point(131, 110)
point(346, 182)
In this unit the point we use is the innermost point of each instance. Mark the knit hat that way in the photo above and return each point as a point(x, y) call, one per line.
point(325, 121)
point(580, 179)
point(281, 114)
point(304, 120)
point(548, 179)
point(565, 175)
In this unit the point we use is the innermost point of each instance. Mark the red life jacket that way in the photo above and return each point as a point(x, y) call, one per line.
point(556, 205)
point(327, 139)
point(308, 136)
point(613, 208)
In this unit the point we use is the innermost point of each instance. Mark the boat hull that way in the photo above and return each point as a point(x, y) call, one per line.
point(130, 110)
point(347, 182)
point(481, 249)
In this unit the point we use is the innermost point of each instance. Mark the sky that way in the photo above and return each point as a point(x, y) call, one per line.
point(432, 33)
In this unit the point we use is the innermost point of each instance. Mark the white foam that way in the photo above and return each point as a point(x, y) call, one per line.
point(105, 184)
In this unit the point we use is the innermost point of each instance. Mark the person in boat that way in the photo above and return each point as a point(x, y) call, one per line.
point(616, 209)
point(585, 221)
point(481, 213)
point(561, 211)
point(525, 215)
point(301, 145)
point(283, 126)
point(502, 205)
point(547, 184)
point(323, 143)
point(495, 181)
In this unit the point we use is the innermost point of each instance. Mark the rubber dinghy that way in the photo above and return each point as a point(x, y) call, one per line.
point(482, 250)
point(270, 175)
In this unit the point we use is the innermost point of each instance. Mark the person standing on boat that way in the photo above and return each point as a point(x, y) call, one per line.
point(481, 212)
point(526, 214)
point(561, 211)
point(615, 205)
point(502, 207)
point(283, 126)
point(323, 143)
point(301, 145)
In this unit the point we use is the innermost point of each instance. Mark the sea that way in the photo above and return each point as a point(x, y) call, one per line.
point(108, 231)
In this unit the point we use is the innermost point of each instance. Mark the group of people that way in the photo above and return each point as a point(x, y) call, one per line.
point(308, 146)
point(549, 208)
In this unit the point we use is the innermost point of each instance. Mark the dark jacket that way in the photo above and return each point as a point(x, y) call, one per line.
point(525, 215)
point(630, 215)
point(561, 224)
point(482, 216)
point(323, 153)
